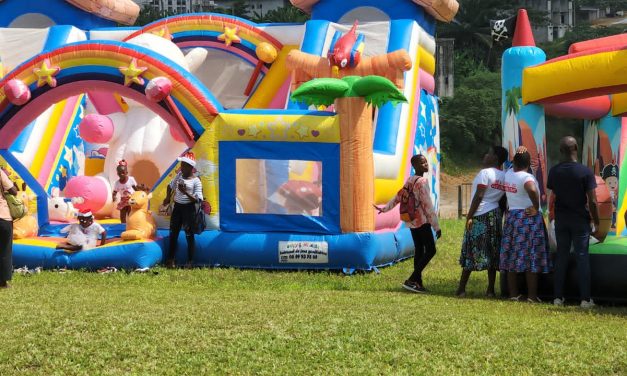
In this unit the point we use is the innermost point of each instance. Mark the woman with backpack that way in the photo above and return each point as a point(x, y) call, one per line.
point(420, 218)
point(484, 224)
point(187, 190)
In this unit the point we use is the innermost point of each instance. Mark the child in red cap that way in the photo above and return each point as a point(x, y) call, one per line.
point(84, 235)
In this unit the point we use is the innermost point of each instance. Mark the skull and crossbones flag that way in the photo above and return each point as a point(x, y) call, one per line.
point(502, 30)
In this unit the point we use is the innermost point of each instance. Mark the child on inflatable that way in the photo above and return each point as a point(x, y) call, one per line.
point(125, 186)
point(84, 235)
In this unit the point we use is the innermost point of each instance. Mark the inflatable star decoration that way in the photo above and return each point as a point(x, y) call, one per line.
point(229, 36)
point(302, 131)
point(164, 33)
point(45, 74)
point(133, 73)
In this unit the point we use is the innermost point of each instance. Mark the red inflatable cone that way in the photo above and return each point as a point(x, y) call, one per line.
point(523, 35)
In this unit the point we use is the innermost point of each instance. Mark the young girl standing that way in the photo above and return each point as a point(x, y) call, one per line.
point(424, 221)
point(125, 186)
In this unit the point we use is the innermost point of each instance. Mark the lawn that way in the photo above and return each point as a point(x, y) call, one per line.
point(225, 321)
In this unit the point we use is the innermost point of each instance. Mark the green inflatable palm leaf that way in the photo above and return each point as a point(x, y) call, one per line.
point(377, 91)
point(321, 91)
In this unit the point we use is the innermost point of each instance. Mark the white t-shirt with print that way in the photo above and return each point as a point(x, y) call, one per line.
point(514, 185)
point(91, 232)
point(120, 188)
point(492, 179)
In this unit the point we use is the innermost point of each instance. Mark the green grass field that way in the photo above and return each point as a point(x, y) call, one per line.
point(226, 321)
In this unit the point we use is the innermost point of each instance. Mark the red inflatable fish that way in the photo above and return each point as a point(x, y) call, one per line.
point(345, 50)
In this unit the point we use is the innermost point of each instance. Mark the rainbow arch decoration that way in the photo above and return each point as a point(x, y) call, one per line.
point(88, 65)
point(204, 30)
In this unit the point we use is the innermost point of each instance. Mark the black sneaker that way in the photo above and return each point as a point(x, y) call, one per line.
point(413, 286)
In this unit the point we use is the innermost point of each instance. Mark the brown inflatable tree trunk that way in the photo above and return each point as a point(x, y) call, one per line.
point(356, 165)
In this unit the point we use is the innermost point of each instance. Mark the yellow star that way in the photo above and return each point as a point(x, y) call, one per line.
point(133, 73)
point(164, 33)
point(253, 131)
point(302, 131)
point(229, 36)
point(45, 74)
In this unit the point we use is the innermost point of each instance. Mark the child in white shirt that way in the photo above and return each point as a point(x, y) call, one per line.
point(125, 186)
point(84, 234)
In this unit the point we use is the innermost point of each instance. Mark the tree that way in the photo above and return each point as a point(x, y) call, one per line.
point(353, 96)
point(241, 9)
point(471, 120)
point(471, 28)
point(150, 13)
point(613, 5)
point(286, 14)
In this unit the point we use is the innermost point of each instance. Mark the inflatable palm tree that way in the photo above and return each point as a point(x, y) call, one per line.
point(353, 97)
point(512, 107)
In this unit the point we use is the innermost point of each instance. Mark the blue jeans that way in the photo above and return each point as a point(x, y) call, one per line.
point(577, 234)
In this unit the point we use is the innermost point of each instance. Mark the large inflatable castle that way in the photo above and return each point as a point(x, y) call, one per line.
point(288, 184)
point(587, 84)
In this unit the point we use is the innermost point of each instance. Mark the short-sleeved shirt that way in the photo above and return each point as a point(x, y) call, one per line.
point(125, 187)
point(193, 185)
point(514, 185)
point(4, 207)
point(570, 181)
point(92, 232)
point(492, 179)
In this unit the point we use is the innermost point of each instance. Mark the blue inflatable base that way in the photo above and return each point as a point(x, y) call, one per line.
point(357, 251)
point(122, 255)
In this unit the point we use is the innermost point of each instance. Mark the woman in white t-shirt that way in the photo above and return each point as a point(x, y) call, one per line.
point(524, 246)
point(484, 224)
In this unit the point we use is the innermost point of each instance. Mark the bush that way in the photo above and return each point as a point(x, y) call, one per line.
point(471, 120)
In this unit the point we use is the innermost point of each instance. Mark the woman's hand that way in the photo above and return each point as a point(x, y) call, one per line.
point(378, 209)
point(469, 224)
point(531, 211)
point(181, 187)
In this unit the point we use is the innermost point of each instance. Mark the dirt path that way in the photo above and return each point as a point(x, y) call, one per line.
point(448, 190)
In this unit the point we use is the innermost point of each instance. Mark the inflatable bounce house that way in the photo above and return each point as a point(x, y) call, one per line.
point(288, 184)
point(587, 84)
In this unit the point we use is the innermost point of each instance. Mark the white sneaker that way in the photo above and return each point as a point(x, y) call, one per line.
point(558, 302)
point(587, 304)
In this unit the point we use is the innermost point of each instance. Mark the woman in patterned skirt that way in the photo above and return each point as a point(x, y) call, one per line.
point(524, 246)
point(482, 238)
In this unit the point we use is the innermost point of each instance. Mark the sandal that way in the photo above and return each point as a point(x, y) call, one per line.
point(516, 298)
point(536, 300)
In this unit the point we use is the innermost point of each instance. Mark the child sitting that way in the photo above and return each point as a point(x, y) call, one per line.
point(125, 186)
point(84, 235)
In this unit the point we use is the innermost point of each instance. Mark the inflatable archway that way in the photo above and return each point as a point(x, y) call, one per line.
point(82, 66)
